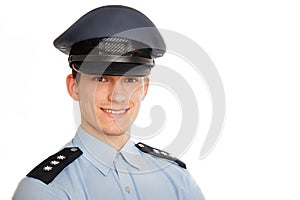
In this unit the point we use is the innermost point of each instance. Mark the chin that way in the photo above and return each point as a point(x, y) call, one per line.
point(114, 131)
point(113, 134)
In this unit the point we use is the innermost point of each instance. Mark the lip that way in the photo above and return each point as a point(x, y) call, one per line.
point(115, 113)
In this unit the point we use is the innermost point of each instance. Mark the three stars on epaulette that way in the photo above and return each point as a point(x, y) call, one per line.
point(48, 168)
point(159, 153)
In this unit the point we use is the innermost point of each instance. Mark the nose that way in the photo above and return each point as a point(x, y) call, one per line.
point(117, 94)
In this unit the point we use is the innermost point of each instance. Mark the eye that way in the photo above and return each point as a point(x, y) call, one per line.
point(130, 80)
point(100, 79)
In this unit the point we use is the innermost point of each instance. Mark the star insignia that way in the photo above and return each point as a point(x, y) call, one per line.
point(61, 157)
point(156, 151)
point(141, 145)
point(47, 168)
point(54, 162)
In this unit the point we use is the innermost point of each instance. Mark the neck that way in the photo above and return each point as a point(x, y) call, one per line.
point(117, 141)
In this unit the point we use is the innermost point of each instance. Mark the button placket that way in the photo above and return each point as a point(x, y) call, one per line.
point(124, 177)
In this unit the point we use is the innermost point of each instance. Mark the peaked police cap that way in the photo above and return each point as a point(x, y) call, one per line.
point(112, 40)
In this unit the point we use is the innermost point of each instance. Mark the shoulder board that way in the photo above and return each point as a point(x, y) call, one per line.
point(47, 170)
point(159, 153)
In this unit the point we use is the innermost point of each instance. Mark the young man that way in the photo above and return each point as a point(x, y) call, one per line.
point(111, 54)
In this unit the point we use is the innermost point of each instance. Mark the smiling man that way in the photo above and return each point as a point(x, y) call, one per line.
point(108, 104)
point(111, 52)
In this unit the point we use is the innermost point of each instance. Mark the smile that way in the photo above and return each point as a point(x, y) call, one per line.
point(115, 112)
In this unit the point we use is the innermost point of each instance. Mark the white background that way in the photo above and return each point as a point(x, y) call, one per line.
point(255, 46)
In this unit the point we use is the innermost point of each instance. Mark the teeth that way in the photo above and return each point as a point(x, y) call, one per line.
point(116, 112)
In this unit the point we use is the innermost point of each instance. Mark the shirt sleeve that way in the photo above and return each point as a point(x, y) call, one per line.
point(193, 191)
point(33, 189)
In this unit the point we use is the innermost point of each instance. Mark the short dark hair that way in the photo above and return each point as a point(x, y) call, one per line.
point(75, 75)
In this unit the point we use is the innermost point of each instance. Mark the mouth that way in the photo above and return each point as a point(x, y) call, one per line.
point(115, 112)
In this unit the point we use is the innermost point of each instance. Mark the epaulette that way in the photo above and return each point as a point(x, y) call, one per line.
point(47, 170)
point(159, 153)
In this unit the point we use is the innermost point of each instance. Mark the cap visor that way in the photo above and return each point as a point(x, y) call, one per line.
point(112, 69)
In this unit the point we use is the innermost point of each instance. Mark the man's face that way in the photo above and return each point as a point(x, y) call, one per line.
point(109, 104)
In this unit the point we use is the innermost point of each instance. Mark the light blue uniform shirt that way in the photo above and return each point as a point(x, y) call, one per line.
point(102, 172)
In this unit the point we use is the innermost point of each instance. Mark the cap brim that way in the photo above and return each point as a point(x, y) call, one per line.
point(112, 69)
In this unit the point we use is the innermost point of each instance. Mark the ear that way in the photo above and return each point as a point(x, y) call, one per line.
point(72, 87)
point(146, 85)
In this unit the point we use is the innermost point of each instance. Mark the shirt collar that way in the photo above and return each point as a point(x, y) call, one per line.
point(103, 155)
point(131, 155)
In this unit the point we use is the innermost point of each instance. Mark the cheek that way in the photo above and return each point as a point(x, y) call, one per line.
point(100, 97)
point(136, 95)
point(136, 99)
point(87, 105)
point(87, 99)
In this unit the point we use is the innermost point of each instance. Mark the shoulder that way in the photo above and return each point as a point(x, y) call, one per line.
point(179, 176)
point(47, 170)
point(160, 154)
point(33, 189)
point(38, 183)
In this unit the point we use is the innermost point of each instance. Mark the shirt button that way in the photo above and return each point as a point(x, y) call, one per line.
point(127, 189)
point(117, 155)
